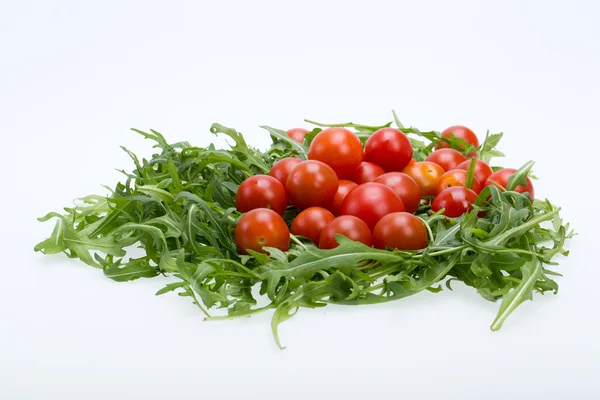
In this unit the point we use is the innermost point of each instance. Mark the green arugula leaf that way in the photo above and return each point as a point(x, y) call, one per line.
point(487, 150)
point(241, 150)
point(132, 270)
point(282, 136)
point(519, 177)
point(312, 260)
point(531, 272)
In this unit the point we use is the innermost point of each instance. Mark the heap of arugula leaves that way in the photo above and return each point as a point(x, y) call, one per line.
point(179, 207)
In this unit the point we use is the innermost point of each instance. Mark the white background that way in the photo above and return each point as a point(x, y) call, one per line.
point(76, 75)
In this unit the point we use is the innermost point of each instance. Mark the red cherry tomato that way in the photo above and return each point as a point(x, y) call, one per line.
point(343, 189)
point(312, 184)
point(310, 222)
point(482, 170)
point(297, 134)
point(261, 191)
point(461, 132)
point(339, 148)
point(351, 227)
point(389, 148)
point(456, 177)
point(501, 178)
point(405, 187)
point(455, 201)
point(400, 230)
point(426, 174)
point(370, 202)
point(261, 227)
point(367, 172)
point(446, 158)
point(282, 168)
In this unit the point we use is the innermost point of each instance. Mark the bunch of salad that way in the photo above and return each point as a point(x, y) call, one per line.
point(344, 213)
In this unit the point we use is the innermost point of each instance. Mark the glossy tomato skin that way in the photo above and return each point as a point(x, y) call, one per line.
point(261, 191)
point(261, 227)
point(461, 132)
point(405, 187)
point(456, 177)
point(482, 170)
point(344, 188)
point(389, 148)
point(367, 172)
point(446, 158)
point(400, 230)
point(455, 200)
point(310, 222)
point(426, 174)
point(297, 134)
point(501, 177)
point(282, 168)
point(351, 227)
point(312, 184)
point(339, 148)
point(370, 202)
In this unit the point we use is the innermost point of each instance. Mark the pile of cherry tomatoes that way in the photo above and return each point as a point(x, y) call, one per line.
point(368, 194)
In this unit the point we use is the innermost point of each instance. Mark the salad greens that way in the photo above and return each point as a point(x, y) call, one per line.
point(179, 207)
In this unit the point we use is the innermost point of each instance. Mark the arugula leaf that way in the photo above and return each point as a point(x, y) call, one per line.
point(312, 260)
point(397, 120)
point(171, 287)
point(531, 272)
point(520, 176)
point(471, 173)
point(240, 149)
point(488, 149)
point(132, 270)
point(282, 136)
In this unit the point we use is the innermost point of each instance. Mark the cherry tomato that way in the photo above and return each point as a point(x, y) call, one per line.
point(282, 168)
point(261, 227)
point(446, 158)
point(400, 230)
point(456, 177)
point(405, 187)
point(389, 148)
point(482, 170)
point(426, 174)
point(339, 148)
point(367, 172)
point(455, 201)
point(501, 177)
point(261, 191)
point(310, 222)
point(351, 227)
point(343, 189)
point(312, 184)
point(461, 132)
point(297, 134)
point(370, 202)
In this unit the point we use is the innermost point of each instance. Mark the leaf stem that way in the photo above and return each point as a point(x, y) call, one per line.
point(429, 231)
point(446, 251)
point(348, 125)
point(297, 241)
